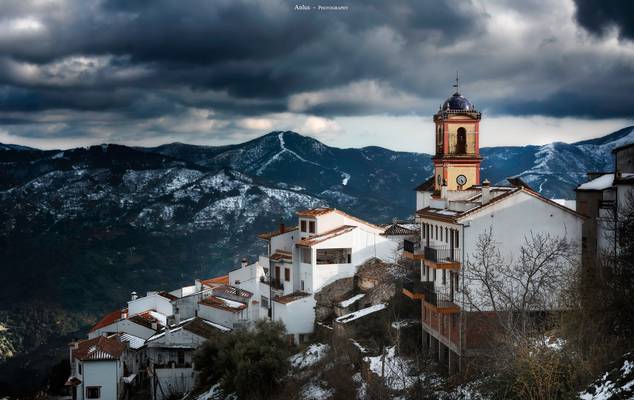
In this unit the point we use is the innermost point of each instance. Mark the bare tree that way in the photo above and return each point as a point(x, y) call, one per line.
point(514, 288)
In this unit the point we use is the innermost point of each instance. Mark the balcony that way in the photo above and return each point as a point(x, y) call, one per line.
point(416, 290)
point(442, 301)
point(275, 284)
point(440, 257)
point(412, 250)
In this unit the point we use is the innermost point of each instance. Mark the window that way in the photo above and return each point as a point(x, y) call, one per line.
point(93, 392)
point(302, 223)
point(264, 301)
point(334, 256)
point(441, 233)
point(79, 368)
point(436, 234)
point(457, 278)
point(307, 255)
point(434, 275)
point(444, 276)
point(301, 285)
point(457, 239)
point(423, 231)
point(311, 227)
point(447, 235)
point(287, 274)
point(180, 357)
point(461, 143)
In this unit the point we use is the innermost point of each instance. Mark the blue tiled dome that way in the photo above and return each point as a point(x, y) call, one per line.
point(458, 102)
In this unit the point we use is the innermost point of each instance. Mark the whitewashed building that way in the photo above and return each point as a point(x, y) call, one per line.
point(454, 211)
point(326, 245)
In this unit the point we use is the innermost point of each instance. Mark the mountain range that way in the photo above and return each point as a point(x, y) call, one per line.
point(82, 228)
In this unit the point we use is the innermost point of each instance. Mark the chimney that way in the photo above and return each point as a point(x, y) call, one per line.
point(244, 260)
point(486, 191)
point(443, 190)
point(133, 296)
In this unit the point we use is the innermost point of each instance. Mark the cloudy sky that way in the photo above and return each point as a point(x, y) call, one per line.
point(145, 72)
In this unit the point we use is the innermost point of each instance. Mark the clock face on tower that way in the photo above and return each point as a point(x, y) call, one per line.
point(461, 180)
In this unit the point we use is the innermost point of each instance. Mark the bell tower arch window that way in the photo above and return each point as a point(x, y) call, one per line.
point(461, 141)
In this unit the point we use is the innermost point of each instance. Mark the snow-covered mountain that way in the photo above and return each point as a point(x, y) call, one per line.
point(557, 168)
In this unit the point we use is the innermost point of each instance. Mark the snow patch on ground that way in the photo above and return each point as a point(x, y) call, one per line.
point(398, 373)
point(309, 357)
point(315, 391)
point(618, 383)
point(351, 300)
point(361, 313)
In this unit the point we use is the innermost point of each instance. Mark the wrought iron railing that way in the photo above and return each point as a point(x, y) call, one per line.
point(441, 254)
point(275, 284)
point(411, 246)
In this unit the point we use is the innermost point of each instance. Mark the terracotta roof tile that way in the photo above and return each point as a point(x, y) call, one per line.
point(145, 319)
point(99, 348)
point(281, 255)
point(109, 319)
point(290, 297)
point(199, 327)
point(312, 240)
point(219, 280)
point(398, 230)
point(232, 290)
point(322, 211)
point(168, 295)
point(223, 304)
point(269, 235)
point(314, 212)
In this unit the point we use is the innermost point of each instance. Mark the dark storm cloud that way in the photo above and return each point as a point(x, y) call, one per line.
point(149, 59)
point(598, 16)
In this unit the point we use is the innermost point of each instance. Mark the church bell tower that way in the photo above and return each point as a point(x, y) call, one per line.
point(457, 159)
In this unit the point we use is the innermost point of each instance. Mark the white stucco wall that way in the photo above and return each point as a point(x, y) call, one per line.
point(222, 317)
point(513, 219)
point(152, 301)
point(124, 326)
point(298, 316)
point(101, 373)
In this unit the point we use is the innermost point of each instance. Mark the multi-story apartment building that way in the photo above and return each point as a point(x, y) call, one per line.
point(601, 199)
point(452, 218)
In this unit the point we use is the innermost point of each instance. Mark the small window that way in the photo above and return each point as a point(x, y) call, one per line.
point(307, 255)
point(93, 392)
point(287, 274)
point(444, 277)
point(311, 227)
point(434, 275)
point(447, 235)
point(457, 238)
point(441, 237)
point(264, 301)
point(303, 225)
point(301, 285)
point(436, 234)
point(457, 284)
point(181, 357)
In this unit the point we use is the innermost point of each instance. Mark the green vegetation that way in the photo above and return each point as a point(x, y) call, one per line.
point(250, 363)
